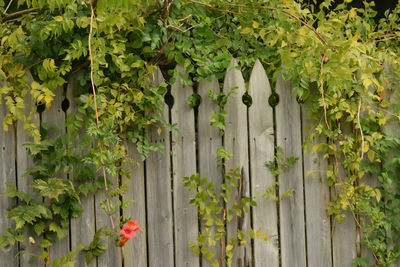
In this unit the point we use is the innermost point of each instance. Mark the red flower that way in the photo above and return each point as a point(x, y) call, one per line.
point(128, 231)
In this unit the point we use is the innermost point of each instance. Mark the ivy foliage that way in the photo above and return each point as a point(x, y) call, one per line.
point(338, 59)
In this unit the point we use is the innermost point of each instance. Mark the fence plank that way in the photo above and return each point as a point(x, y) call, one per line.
point(291, 208)
point(25, 161)
point(159, 199)
point(83, 227)
point(209, 141)
point(55, 116)
point(391, 128)
point(136, 249)
point(261, 130)
point(112, 256)
point(343, 234)
point(317, 197)
point(7, 175)
point(184, 164)
point(236, 142)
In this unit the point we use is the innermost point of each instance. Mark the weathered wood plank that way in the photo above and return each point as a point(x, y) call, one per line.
point(136, 249)
point(236, 142)
point(391, 128)
point(184, 164)
point(344, 241)
point(111, 256)
point(55, 116)
point(7, 175)
point(24, 161)
point(209, 141)
point(261, 130)
point(343, 234)
point(317, 197)
point(159, 199)
point(83, 227)
point(288, 128)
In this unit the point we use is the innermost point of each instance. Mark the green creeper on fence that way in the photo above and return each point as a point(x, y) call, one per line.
point(336, 59)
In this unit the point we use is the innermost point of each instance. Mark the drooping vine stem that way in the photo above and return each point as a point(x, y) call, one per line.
point(97, 115)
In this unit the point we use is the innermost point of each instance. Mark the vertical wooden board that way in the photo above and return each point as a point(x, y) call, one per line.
point(344, 241)
point(159, 199)
point(288, 128)
point(8, 254)
point(136, 249)
point(261, 130)
point(209, 141)
point(236, 142)
point(55, 116)
point(184, 164)
point(343, 234)
point(24, 161)
point(83, 227)
point(391, 128)
point(112, 255)
point(317, 197)
point(369, 178)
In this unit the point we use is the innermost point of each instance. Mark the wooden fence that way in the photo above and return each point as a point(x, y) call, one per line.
point(299, 230)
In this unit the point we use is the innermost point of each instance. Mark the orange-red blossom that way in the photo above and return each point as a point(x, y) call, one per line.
point(128, 231)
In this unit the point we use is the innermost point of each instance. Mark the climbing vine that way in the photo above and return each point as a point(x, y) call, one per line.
point(338, 57)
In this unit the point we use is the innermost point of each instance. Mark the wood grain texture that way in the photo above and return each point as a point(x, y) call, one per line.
point(55, 116)
point(135, 249)
point(236, 142)
point(261, 130)
point(25, 161)
point(317, 197)
point(288, 128)
point(82, 228)
point(343, 234)
point(209, 141)
point(111, 256)
point(159, 198)
point(7, 175)
point(392, 127)
point(184, 164)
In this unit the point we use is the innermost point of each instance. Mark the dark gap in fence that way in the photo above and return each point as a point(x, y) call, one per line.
point(302, 106)
point(64, 108)
point(221, 90)
point(248, 101)
point(196, 138)
point(273, 101)
point(15, 147)
point(146, 217)
point(169, 100)
point(331, 217)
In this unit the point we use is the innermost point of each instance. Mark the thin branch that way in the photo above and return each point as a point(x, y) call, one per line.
point(223, 10)
point(97, 115)
point(8, 6)
point(22, 12)
point(382, 36)
point(361, 131)
point(324, 59)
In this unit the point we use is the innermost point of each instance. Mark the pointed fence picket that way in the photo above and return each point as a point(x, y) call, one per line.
point(297, 228)
point(236, 142)
point(82, 228)
point(158, 195)
point(24, 161)
point(317, 196)
point(288, 135)
point(184, 164)
point(209, 140)
point(262, 144)
point(55, 116)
